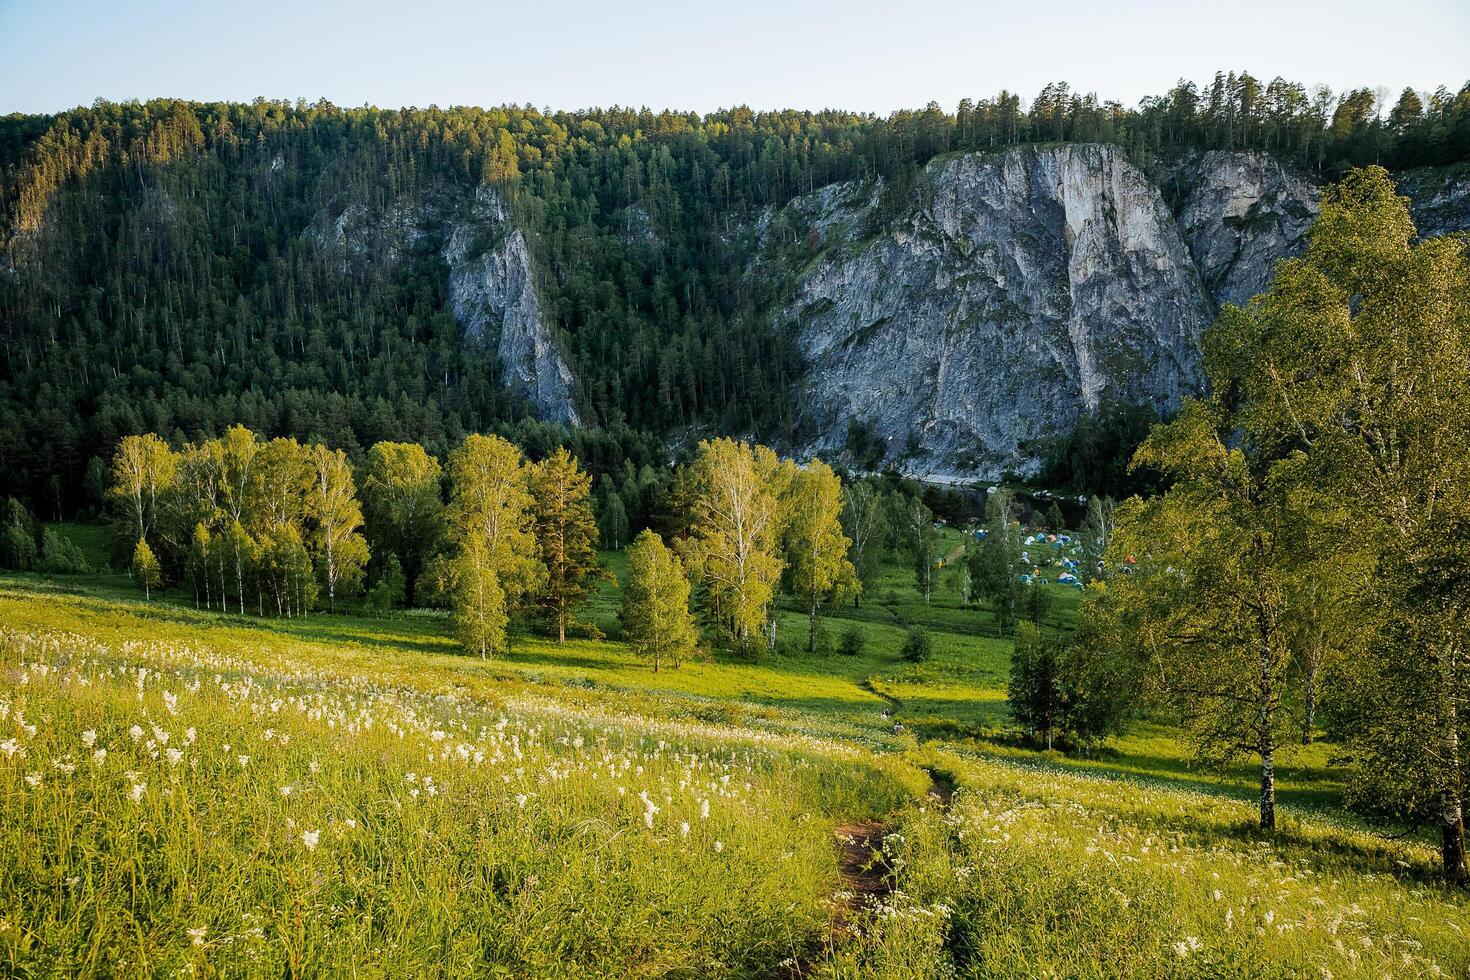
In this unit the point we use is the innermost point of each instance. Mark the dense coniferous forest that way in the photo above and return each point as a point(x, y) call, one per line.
point(160, 274)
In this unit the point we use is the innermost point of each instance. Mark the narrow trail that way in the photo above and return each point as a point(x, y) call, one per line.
point(867, 877)
point(894, 703)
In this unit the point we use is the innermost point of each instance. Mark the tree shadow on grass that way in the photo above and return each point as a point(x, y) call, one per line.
point(342, 636)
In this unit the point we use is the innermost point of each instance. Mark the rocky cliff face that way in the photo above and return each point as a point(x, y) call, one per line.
point(1023, 288)
point(1240, 214)
point(1013, 291)
point(491, 284)
point(1441, 199)
point(493, 295)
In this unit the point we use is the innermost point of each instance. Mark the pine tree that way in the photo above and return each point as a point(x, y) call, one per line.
point(566, 535)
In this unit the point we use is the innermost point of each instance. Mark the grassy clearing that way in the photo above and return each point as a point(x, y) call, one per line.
point(1056, 873)
point(206, 807)
point(406, 810)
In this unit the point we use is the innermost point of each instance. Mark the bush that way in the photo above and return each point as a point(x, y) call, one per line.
point(852, 642)
point(61, 556)
point(917, 646)
point(389, 590)
point(17, 548)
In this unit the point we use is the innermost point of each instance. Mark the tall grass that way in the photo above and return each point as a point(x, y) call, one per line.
point(1058, 874)
point(169, 808)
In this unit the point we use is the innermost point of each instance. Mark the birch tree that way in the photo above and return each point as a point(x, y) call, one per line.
point(145, 567)
point(736, 517)
point(655, 604)
point(143, 469)
point(864, 524)
point(401, 497)
point(816, 547)
point(336, 519)
point(490, 508)
point(1359, 355)
point(1208, 605)
point(479, 602)
point(238, 451)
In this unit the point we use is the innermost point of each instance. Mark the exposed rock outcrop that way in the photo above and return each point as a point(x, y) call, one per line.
point(491, 285)
point(1010, 292)
point(1240, 214)
point(1022, 288)
point(1440, 198)
point(493, 295)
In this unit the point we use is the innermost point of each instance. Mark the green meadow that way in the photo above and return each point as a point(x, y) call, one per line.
point(189, 793)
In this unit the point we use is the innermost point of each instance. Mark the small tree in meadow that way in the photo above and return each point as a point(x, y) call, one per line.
point(917, 646)
point(479, 603)
point(145, 568)
point(1034, 688)
point(655, 611)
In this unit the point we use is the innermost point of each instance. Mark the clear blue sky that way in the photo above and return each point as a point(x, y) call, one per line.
point(567, 54)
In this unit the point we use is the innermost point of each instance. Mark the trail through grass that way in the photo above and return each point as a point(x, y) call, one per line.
point(350, 794)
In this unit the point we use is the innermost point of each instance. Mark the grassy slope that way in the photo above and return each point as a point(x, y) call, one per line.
point(959, 694)
point(1043, 833)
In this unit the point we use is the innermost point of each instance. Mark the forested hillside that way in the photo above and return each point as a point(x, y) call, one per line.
point(176, 267)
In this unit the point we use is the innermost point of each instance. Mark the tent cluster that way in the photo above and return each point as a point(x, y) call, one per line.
point(1066, 554)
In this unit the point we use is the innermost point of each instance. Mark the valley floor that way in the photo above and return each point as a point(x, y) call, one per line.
point(183, 791)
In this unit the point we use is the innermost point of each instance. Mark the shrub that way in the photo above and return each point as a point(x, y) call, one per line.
point(917, 646)
point(17, 548)
point(852, 642)
point(389, 590)
point(61, 556)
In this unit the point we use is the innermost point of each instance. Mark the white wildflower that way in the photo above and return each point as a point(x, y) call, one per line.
point(309, 838)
